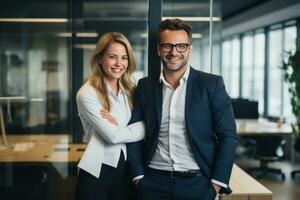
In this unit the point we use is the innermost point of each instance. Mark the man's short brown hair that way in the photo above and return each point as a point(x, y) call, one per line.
point(175, 25)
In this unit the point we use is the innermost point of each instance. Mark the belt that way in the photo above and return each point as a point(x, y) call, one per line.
point(176, 174)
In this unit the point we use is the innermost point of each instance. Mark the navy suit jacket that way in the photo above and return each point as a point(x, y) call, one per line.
point(209, 122)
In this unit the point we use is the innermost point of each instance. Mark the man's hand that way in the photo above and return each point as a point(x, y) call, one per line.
point(136, 182)
point(106, 115)
point(216, 187)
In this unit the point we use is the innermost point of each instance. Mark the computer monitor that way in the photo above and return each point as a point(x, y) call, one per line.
point(245, 109)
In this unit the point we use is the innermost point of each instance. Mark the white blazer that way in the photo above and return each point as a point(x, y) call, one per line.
point(99, 131)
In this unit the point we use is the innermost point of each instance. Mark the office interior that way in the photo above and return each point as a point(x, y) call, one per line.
point(45, 48)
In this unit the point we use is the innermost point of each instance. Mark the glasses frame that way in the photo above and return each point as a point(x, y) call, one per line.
point(161, 46)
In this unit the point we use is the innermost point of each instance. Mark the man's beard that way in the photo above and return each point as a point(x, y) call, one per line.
point(177, 68)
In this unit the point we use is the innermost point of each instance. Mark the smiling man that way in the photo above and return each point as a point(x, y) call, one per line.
point(191, 136)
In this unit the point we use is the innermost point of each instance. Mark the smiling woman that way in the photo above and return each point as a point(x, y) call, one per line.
point(112, 58)
point(103, 170)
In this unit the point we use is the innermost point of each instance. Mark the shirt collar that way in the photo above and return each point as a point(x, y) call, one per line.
point(183, 78)
point(121, 89)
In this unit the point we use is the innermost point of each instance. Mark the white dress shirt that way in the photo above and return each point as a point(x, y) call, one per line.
point(106, 140)
point(173, 151)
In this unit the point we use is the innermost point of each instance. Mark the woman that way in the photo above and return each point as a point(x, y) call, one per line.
point(103, 172)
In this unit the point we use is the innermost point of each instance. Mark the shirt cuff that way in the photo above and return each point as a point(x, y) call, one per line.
point(219, 183)
point(137, 177)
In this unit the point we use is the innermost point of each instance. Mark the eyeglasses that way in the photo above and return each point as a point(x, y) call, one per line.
point(180, 47)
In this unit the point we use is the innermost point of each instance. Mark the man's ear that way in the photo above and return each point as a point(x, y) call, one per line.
point(157, 50)
point(191, 49)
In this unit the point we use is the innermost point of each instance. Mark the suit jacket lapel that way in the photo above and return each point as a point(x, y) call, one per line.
point(158, 100)
point(189, 92)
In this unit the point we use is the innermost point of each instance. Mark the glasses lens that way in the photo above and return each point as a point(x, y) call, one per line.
point(180, 47)
point(166, 47)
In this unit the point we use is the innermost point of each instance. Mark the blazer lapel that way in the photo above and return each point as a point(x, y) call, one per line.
point(189, 92)
point(158, 100)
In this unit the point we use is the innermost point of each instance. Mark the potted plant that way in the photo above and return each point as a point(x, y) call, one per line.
point(291, 74)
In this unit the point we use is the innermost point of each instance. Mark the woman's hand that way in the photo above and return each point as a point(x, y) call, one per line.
point(106, 115)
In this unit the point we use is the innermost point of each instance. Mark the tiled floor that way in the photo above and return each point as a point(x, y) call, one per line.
point(282, 190)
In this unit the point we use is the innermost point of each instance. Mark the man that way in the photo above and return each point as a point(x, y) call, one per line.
point(191, 136)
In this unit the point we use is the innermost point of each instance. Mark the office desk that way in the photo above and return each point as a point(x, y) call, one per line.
point(8, 101)
point(43, 163)
point(42, 149)
point(245, 187)
point(55, 149)
point(260, 127)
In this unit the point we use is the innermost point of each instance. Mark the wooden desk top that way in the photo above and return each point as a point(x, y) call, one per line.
point(56, 149)
point(245, 127)
point(41, 148)
point(242, 183)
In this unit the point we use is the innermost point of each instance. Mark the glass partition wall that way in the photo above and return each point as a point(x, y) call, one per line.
point(35, 66)
point(45, 48)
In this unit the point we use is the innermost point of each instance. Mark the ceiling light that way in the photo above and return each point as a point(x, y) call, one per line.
point(85, 46)
point(144, 35)
point(36, 99)
point(34, 20)
point(197, 35)
point(64, 34)
point(87, 34)
point(83, 34)
point(194, 19)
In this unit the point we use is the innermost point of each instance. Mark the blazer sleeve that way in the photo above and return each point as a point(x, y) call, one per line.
point(225, 129)
point(89, 109)
point(134, 150)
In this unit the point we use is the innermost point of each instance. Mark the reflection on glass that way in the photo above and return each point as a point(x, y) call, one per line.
point(127, 17)
point(35, 65)
point(34, 94)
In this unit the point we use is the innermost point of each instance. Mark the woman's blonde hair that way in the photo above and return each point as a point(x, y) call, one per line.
point(97, 77)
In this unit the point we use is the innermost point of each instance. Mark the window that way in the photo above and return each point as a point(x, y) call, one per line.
point(230, 66)
point(290, 35)
point(282, 38)
point(259, 71)
point(275, 75)
point(247, 67)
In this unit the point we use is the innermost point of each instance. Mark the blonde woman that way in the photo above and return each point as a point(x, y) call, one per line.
point(103, 171)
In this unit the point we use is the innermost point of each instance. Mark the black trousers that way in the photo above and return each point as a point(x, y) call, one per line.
point(113, 184)
point(155, 186)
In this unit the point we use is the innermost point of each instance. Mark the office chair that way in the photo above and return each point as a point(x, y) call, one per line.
point(297, 149)
point(246, 148)
point(269, 148)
